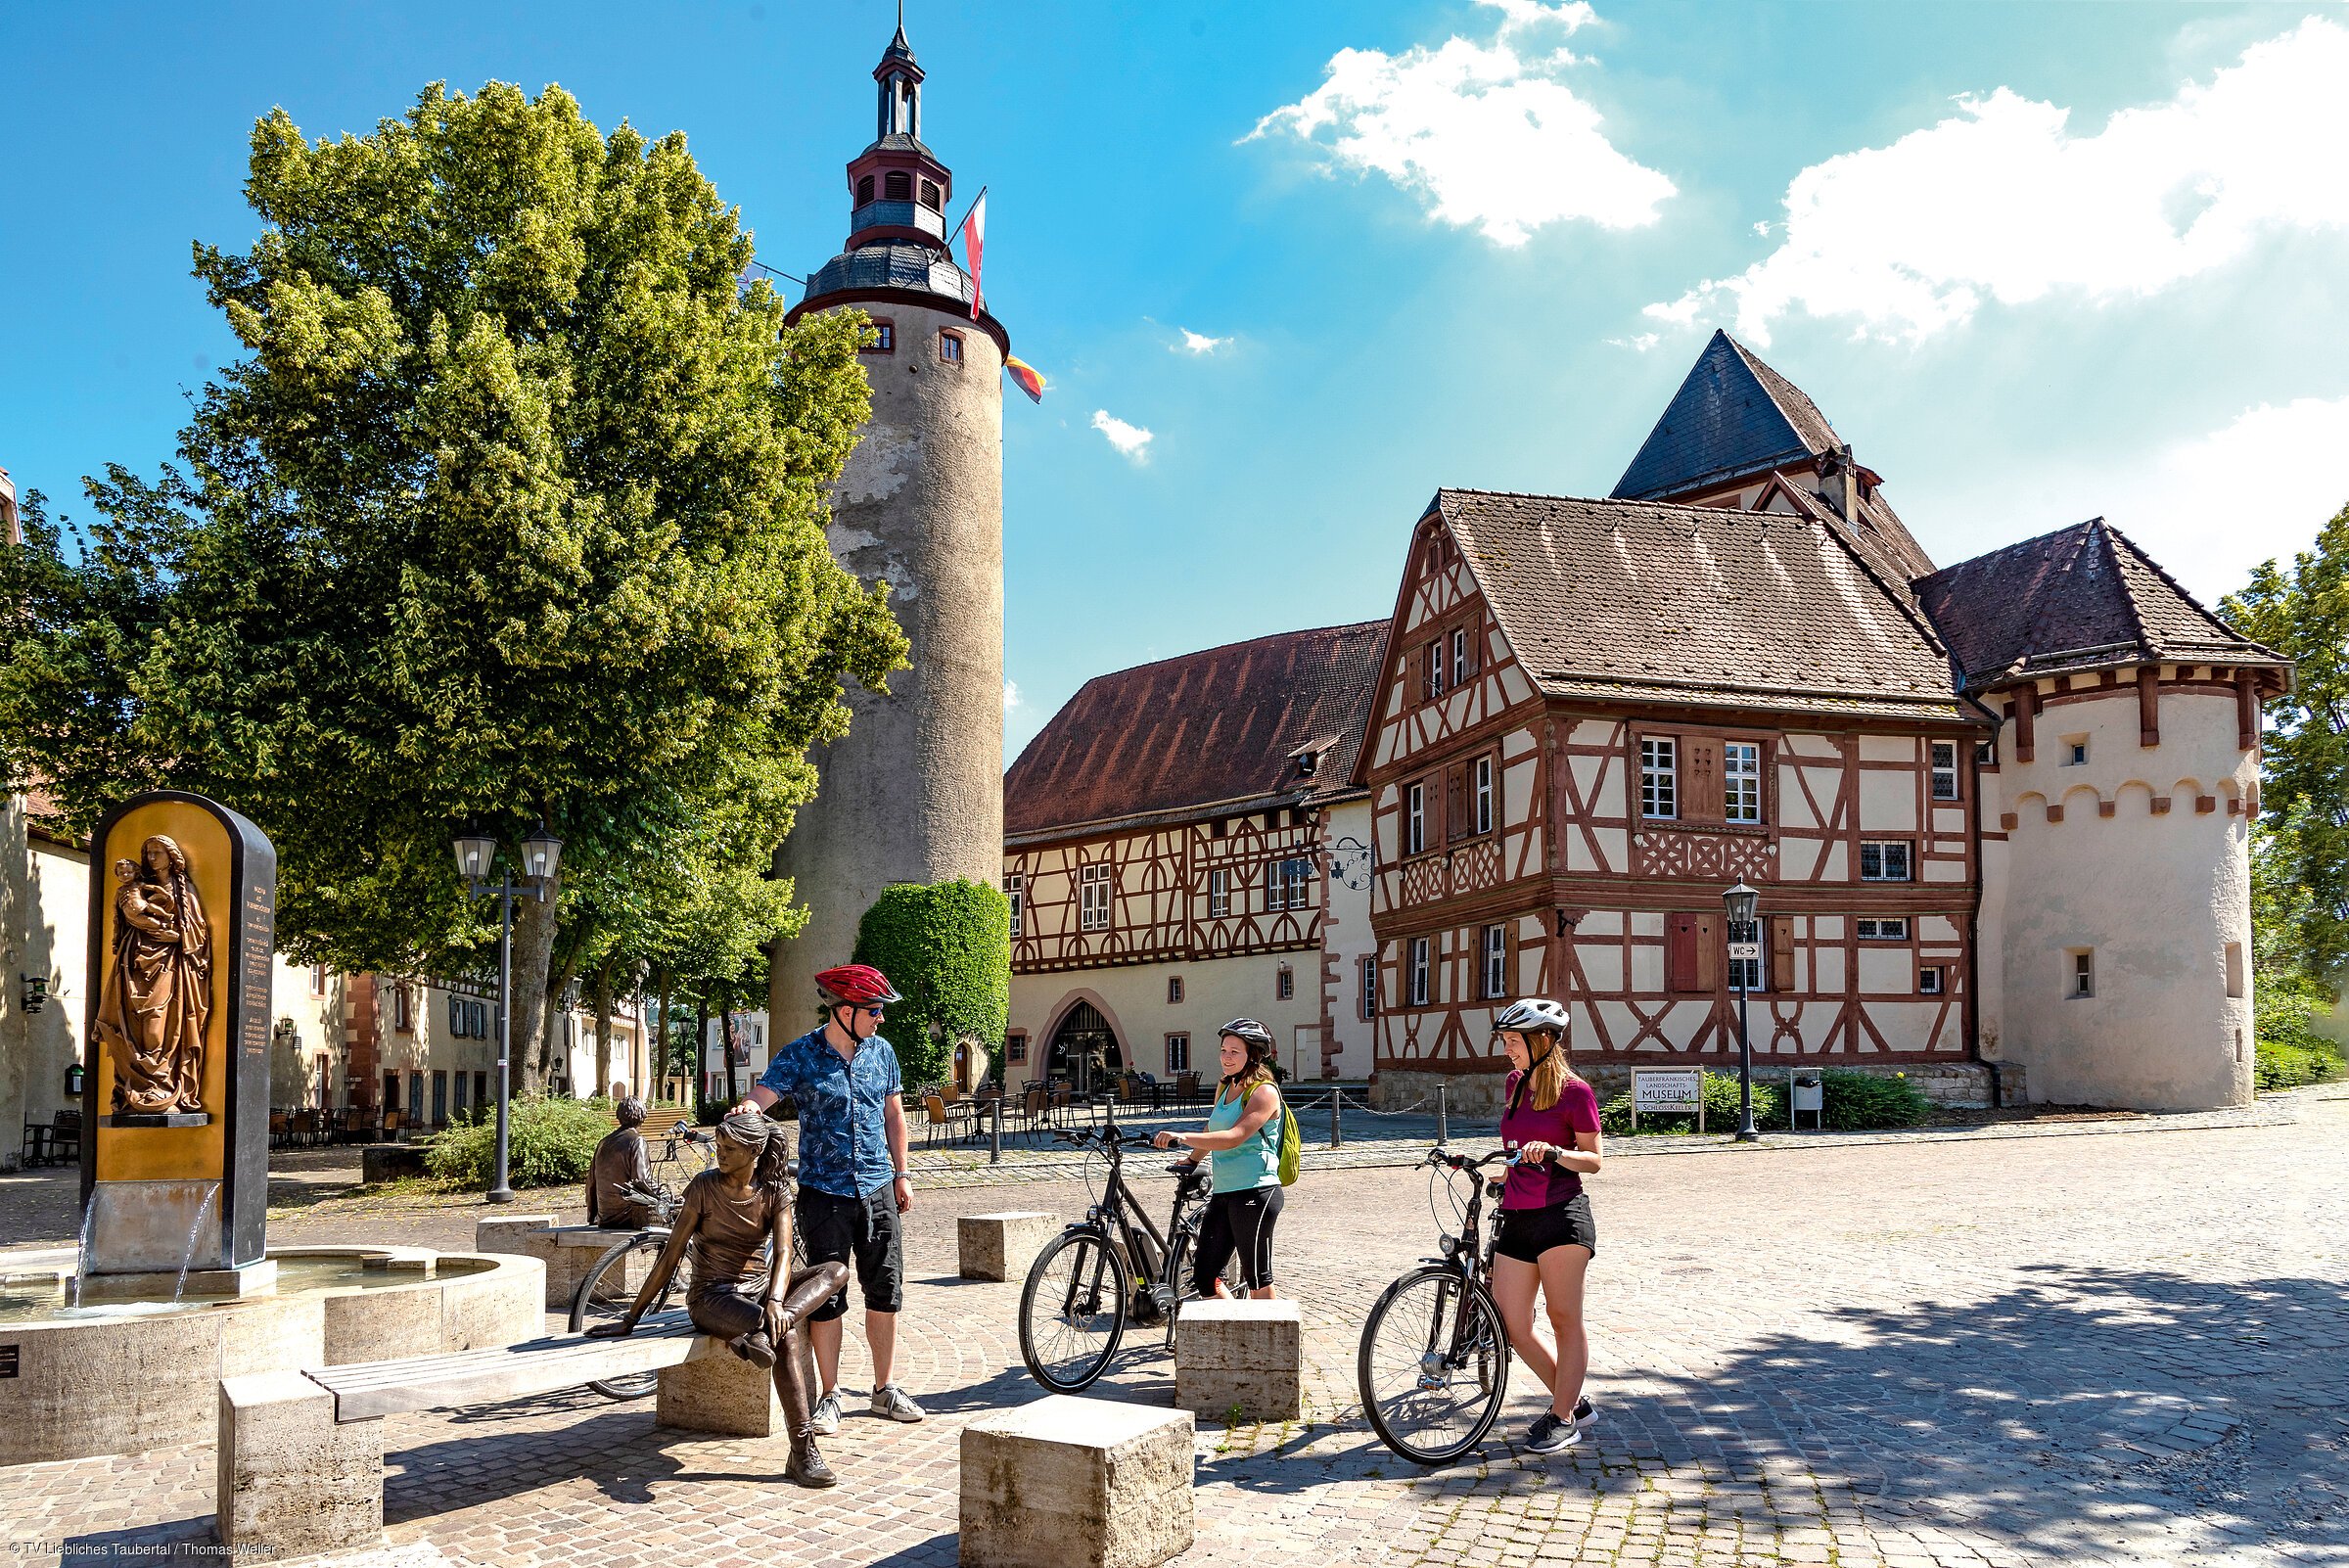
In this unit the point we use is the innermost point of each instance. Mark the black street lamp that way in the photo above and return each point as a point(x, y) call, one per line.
point(1745, 947)
point(475, 852)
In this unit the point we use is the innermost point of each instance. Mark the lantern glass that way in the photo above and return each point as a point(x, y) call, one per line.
point(474, 851)
point(541, 851)
point(1739, 901)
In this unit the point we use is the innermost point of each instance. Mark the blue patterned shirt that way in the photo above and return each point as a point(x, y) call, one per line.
point(843, 1132)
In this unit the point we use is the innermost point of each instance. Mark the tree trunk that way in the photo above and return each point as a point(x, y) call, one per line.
point(725, 1032)
point(563, 962)
point(533, 952)
point(701, 1039)
point(603, 1024)
point(660, 1065)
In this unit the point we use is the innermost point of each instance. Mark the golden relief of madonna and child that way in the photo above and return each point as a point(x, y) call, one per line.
point(156, 1001)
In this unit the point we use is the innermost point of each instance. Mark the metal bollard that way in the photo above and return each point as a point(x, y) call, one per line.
point(1337, 1134)
point(995, 1135)
point(1443, 1121)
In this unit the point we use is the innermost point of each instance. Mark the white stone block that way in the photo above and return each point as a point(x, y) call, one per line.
point(1001, 1246)
point(1243, 1354)
point(716, 1390)
point(1077, 1483)
point(288, 1479)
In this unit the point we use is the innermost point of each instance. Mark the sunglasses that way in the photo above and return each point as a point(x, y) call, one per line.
point(869, 1012)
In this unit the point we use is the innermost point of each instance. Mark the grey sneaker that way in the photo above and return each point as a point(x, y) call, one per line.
point(1549, 1434)
point(824, 1419)
point(1585, 1415)
point(893, 1401)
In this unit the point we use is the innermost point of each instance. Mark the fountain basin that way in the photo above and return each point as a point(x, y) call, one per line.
point(124, 1376)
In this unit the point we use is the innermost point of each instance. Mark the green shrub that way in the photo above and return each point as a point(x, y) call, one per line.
point(1863, 1102)
point(548, 1142)
point(948, 948)
point(2283, 1065)
point(2291, 1052)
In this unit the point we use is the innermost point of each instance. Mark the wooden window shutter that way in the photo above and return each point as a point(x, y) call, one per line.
point(1680, 941)
point(1701, 797)
point(1455, 802)
point(1709, 953)
point(1782, 952)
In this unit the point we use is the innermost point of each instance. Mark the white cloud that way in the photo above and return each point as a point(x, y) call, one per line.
point(1639, 342)
point(2208, 508)
point(1011, 695)
point(1130, 441)
point(1199, 343)
point(1485, 136)
point(2002, 200)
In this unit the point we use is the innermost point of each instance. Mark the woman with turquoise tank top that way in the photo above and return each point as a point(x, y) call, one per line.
point(1242, 1143)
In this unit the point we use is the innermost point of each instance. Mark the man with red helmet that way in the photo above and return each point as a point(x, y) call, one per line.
point(844, 1078)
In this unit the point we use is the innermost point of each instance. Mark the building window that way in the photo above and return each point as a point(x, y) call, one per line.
point(864, 190)
point(439, 1098)
point(949, 346)
point(1431, 672)
point(1945, 770)
point(1659, 779)
point(1015, 1050)
point(1369, 1009)
point(2075, 751)
point(2084, 973)
point(883, 340)
point(1414, 818)
point(1092, 898)
point(1173, 990)
point(1928, 980)
point(1218, 894)
point(1285, 884)
point(1495, 951)
point(1015, 890)
point(1459, 656)
point(1480, 783)
point(1741, 781)
point(481, 1089)
point(1284, 984)
point(459, 1087)
point(403, 1014)
point(929, 196)
point(416, 1099)
point(318, 980)
point(1179, 1054)
point(2235, 969)
point(1882, 928)
point(1885, 860)
point(1745, 974)
point(896, 186)
point(392, 1092)
point(1418, 972)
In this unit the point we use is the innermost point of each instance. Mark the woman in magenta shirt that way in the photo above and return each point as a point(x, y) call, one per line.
point(1550, 1118)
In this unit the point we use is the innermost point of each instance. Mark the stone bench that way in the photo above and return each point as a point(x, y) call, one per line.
point(1077, 1483)
point(300, 1456)
point(1001, 1246)
point(1246, 1356)
point(567, 1251)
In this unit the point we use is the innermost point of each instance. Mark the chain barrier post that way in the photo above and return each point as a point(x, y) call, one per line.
point(1337, 1135)
point(994, 1138)
point(1443, 1118)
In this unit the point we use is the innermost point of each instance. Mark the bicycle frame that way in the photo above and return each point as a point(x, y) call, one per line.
point(1469, 1255)
point(1121, 1221)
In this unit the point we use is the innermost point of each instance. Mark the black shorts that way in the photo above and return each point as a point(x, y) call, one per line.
point(862, 1231)
point(1241, 1222)
point(1527, 1233)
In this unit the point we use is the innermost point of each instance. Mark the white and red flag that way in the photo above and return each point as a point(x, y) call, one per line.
point(973, 244)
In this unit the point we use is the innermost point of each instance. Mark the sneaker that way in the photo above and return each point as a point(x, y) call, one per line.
point(824, 1419)
point(1585, 1415)
point(893, 1401)
point(1549, 1434)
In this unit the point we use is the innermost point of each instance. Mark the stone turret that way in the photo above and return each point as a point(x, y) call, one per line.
point(914, 793)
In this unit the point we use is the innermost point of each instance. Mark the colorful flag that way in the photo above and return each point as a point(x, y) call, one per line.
point(1031, 382)
point(974, 242)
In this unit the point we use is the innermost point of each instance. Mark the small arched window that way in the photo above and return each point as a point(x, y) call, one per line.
point(929, 196)
point(897, 186)
point(864, 190)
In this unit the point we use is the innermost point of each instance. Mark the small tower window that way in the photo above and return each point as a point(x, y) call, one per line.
point(2083, 981)
point(897, 186)
point(883, 340)
point(1928, 979)
point(2075, 751)
point(864, 190)
point(929, 196)
point(949, 346)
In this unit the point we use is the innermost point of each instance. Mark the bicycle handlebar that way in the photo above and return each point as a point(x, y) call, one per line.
point(1460, 1162)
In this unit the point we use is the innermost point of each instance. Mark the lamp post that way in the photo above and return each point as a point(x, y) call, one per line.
point(475, 852)
point(1744, 948)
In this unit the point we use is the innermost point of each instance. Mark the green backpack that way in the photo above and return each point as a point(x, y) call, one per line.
point(1288, 1144)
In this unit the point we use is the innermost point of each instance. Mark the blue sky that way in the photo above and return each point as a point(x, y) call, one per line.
point(2037, 262)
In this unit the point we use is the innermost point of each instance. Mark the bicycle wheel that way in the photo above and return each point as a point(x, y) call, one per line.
point(1432, 1376)
point(1178, 1280)
point(1071, 1310)
point(605, 1297)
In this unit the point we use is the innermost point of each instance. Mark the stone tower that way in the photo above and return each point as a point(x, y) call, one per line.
point(2114, 937)
point(914, 791)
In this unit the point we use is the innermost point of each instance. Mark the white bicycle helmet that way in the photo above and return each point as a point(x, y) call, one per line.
point(1535, 1014)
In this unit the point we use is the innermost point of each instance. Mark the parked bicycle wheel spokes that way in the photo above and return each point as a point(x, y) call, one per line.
point(1073, 1310)
point(1434, 1366)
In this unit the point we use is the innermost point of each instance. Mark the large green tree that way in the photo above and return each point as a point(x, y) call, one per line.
point(2300, 851)
point(512, 511)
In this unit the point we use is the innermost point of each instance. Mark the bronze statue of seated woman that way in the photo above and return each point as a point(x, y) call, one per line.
point(729, 1214)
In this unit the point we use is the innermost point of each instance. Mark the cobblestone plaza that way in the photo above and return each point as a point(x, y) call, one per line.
point(2122, 1344)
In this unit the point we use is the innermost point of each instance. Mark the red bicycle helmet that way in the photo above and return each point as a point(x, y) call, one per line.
point(859, 983)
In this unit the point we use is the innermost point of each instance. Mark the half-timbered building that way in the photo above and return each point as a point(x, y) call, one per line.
point(1185, 843)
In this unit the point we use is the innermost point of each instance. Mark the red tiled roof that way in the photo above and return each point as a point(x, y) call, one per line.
point(1216, 729)
point(1649, 602)
point(2080, 598)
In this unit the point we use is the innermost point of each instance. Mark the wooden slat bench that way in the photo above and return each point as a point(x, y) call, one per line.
point(301, 1458)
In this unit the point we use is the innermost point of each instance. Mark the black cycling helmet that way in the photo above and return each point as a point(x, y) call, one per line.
point(1249, 1030)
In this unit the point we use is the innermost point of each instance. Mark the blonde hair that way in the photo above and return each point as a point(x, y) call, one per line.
point(1547, 1075)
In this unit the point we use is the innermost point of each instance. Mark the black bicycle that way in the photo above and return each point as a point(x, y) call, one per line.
point(1434, 1366)
point(1110, 1268)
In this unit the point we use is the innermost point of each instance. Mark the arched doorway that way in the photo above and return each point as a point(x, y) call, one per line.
point(1084, 1048)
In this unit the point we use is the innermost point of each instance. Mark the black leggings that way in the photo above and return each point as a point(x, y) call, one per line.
point(1242, 1222)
